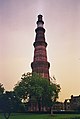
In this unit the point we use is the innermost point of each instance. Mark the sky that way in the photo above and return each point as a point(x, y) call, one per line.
point(17, 34)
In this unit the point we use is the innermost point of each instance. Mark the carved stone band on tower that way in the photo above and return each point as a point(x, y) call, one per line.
point(40, 64)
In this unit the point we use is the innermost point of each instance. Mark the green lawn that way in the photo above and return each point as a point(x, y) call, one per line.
point(43, 116)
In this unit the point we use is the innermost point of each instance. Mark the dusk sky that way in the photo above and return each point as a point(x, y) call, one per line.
point(17, 34)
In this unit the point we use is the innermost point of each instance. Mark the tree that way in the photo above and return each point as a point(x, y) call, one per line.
point(34, 88)
point(9, 102)
point(1, 89)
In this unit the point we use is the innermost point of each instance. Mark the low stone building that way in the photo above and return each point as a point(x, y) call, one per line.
point(58, 106)
point(67, 104)
point(73, 103)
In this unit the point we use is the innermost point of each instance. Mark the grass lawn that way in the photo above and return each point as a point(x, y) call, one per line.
point(43, 116)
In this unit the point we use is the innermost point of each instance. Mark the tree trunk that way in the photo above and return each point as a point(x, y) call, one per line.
point(7, 115)
point(39, 105)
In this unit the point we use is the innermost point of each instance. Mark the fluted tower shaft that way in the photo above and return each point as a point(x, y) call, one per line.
point(40, 64)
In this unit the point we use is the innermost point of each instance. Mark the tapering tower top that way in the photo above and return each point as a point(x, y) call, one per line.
point(40, 21)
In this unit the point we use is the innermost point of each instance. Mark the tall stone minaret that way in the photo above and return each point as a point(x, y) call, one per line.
point(40, 64)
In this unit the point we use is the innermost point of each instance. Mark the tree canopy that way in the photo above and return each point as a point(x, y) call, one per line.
point(34, 88)
point(9, 102)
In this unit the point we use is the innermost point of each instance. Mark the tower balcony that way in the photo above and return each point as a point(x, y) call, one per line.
point(40, 64)
point(40, 43)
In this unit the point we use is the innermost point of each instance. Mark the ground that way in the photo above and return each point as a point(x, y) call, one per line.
point(42, 116)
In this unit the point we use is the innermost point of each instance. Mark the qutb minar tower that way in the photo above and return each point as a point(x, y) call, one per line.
point(40, 64)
